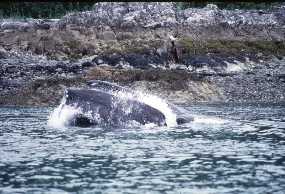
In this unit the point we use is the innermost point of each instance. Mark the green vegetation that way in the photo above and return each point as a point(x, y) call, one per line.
point(46, 9)
point(232, 47)
point(131, 75)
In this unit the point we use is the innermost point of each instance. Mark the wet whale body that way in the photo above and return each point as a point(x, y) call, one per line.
point(107, 86)
point(106, 108)
point(100, 105)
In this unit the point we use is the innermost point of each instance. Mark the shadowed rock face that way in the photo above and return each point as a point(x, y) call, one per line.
point(190, 55)
point(108, 109)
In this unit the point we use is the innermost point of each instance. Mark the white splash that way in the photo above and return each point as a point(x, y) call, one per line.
point(153, 101)
point(62, 115)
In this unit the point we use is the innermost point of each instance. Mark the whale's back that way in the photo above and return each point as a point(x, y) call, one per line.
point(104, 107)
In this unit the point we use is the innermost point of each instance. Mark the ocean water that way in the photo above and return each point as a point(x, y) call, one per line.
point(226, 149)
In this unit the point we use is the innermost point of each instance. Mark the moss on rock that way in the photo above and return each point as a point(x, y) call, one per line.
point(232, 47)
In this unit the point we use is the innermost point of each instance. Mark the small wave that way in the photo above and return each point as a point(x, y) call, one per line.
point(209, 120)
point(237, 126)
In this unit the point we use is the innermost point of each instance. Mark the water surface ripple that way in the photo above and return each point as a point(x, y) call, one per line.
point(227, 149)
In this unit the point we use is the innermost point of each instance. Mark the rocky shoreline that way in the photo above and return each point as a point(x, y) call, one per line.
point(186, 56)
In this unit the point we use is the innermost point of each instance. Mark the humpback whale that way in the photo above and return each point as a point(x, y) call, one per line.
point(107, 86)
point(100, 104)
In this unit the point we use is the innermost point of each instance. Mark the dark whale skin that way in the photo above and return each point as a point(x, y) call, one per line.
point(110, 108)
point(108, 86)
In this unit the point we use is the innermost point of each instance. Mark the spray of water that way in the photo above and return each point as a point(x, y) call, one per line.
point(63, 114)
point(153, 101)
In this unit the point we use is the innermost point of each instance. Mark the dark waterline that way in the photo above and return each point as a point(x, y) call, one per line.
point(228, 149)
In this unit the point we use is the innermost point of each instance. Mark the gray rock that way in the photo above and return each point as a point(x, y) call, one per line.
point(108, 35)
point(148, 15)
point(58, 70)
point(208, 22)
point(10, 83)
point(16, 25)
point(3, 53)
point(211, 15)
point(124, 14)
point(43, 26)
